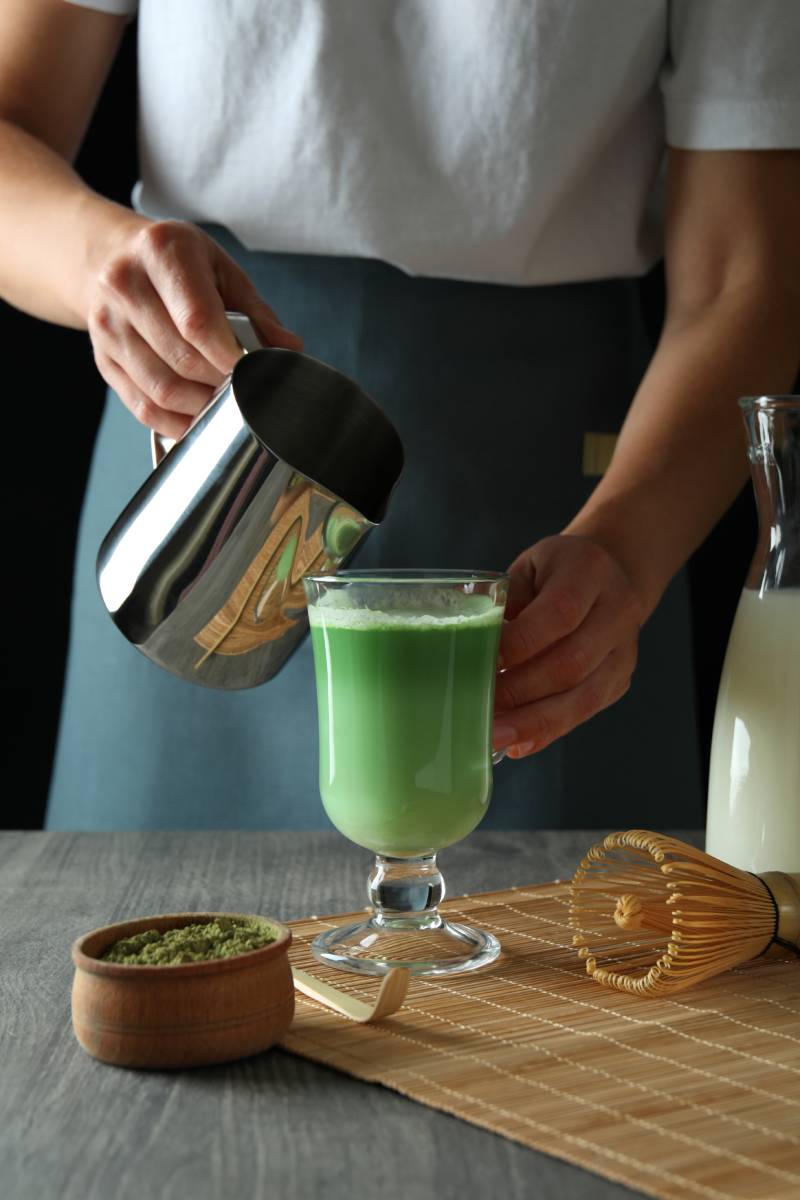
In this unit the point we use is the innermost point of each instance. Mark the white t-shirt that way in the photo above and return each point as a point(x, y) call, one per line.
point(514, 141)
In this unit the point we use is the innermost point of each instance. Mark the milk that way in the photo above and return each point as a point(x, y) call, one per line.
point(754, 781)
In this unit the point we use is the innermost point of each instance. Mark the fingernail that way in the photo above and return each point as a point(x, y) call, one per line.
point(521, 749)
point(501, 662)
point(504, 735)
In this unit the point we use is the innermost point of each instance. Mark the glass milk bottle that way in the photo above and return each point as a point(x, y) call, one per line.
point(754, 782)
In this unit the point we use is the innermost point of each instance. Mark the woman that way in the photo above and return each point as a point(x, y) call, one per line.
point(452, 204)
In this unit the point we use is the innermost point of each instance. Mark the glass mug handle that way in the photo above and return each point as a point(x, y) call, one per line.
point(498, 755)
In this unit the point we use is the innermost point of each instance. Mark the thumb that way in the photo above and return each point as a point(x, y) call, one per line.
point(522, 584)
point(239, 295)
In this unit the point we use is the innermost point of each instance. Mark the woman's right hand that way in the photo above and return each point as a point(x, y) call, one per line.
point(155, 310)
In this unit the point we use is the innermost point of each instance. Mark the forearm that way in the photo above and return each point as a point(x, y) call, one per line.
point(51, 228)
point(680, 458)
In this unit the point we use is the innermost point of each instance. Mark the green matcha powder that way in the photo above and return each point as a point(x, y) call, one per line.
point(221, 938)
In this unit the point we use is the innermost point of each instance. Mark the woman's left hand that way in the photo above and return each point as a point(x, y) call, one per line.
point(569, 644)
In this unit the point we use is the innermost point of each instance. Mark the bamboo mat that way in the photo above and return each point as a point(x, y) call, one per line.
point(693, 1096)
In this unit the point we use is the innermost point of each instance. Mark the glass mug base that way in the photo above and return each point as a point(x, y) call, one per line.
point(375, 947)
point(406, 928)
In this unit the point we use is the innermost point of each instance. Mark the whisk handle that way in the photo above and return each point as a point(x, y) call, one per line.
point(785, 891)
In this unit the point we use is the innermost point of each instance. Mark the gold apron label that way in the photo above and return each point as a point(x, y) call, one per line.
point(598, 449)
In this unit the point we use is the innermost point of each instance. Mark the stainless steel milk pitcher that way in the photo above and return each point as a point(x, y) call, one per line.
point(285, 472)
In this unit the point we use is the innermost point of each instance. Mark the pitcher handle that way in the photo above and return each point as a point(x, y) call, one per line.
point(248, 339)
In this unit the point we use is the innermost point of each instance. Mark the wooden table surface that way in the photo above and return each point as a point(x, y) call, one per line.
point(270, 1126)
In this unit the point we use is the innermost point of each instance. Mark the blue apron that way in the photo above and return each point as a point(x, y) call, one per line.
point(493, 390)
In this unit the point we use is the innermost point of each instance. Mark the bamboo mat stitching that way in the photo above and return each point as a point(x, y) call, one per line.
point(593, 1105)
point(600, 1072)
point(679, 1004)
point(637, 1165)
point(450, 990)
point(605, 1037)
point(764, 1000)
point(607, 1010)
point(465, 1098)
point(681, 1033)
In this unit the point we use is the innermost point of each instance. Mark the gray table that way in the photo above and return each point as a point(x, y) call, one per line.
point(274, 1125)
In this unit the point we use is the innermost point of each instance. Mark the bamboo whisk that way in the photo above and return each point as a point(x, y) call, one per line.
point(654, 915)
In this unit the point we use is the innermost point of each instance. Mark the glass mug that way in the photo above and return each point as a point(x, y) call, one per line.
point(405, 665)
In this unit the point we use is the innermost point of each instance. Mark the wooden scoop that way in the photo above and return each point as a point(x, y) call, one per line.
point(391, 995)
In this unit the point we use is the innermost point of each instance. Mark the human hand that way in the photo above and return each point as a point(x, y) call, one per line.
point(569, 644)
point(155, 309)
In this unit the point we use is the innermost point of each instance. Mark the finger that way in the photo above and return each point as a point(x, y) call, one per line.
point(569, 661)
point(144, 309)
point(155, 379)
point(239, 295)
point(539, 724)
point(171, 425)
point(558, 608)
point(181, 271)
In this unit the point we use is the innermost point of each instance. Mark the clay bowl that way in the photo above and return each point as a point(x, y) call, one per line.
point(186, 1015)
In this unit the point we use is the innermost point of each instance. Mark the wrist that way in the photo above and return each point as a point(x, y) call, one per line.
point(628, 537)
point(102, 227)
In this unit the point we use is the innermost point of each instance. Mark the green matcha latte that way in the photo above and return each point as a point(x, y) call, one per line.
point(405, 714)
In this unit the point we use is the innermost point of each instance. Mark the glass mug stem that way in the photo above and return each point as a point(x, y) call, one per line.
point(406, 892)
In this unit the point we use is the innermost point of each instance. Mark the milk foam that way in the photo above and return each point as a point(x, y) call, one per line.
point(334, 613)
